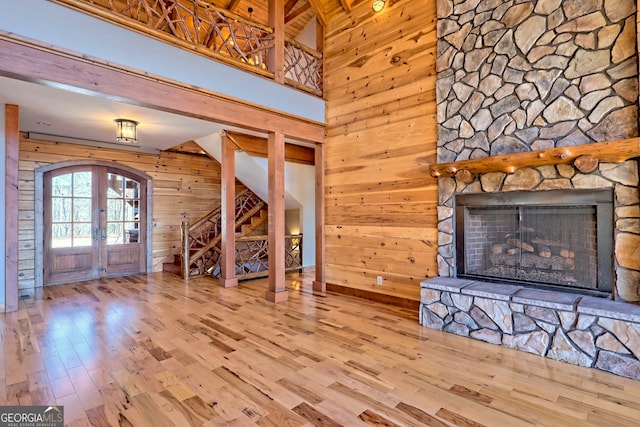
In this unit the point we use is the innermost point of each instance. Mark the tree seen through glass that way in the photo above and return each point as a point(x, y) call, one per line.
point(123, 209)
point(71, 209)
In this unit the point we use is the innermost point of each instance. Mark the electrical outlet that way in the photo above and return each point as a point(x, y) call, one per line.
point(379, 280)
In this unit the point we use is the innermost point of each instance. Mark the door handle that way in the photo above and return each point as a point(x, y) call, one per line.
point(104, 233)
point(95, 234)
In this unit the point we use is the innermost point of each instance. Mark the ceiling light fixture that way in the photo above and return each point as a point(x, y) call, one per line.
point(377, 5)
point(126, 131)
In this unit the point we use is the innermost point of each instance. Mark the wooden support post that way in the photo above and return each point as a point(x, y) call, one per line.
point(12, 143)
point(320, 283)
point(277, 289)
point(276, 53)
point(228, 262)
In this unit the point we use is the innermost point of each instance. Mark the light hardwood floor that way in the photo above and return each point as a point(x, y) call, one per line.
point(150, 351)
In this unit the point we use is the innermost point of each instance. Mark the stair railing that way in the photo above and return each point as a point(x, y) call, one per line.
point(200, 252)
point(252, 256)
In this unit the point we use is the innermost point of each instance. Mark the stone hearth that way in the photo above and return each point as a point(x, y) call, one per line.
point(582, 330)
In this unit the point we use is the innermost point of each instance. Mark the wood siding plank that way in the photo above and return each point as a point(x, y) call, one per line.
point(381, 206)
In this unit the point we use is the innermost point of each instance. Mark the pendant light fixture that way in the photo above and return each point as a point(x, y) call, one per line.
point(126, 131)
point(377, 5)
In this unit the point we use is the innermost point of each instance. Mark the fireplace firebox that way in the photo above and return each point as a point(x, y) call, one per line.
point(548, 239)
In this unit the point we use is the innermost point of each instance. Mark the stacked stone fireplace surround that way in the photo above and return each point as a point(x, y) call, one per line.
point(520, 76)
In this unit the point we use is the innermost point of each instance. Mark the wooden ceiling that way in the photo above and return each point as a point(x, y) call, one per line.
point(298, 13)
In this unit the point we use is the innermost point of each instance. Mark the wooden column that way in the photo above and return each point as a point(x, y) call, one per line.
point(277, 290)
point(276, 53)
point(228, 170)
point(12, 143)
point(320, 283)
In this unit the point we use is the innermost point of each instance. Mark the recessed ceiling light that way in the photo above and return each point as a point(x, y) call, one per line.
point(43, 124)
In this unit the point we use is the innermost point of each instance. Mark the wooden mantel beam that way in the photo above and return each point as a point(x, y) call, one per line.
point(611, 152)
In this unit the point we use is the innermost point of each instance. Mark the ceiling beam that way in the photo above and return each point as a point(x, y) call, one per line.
point(346, 5)
point(298, 12)
point(232, 5)
point(40, 65)
point(257, 146)
point(288, 7)
point(317, 7)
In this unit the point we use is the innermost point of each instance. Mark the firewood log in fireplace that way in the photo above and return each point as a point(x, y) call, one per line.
point(529, 260)
point(518, 243)
point(499, 248)
point(524, 249)
point(543, 250)
point(567, 253)
point(571, 263)
point(552, 243)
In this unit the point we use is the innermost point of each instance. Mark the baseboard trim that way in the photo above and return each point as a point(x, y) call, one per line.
point(374, 296)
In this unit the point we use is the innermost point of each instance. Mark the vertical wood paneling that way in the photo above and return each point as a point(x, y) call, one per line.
point(183, 184)
point(381, 204)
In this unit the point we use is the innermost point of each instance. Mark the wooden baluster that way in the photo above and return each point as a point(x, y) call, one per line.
point(184, 228)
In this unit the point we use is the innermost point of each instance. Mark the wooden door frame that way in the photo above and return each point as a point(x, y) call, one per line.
point(146, 181)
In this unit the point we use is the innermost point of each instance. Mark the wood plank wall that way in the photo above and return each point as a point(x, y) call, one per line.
point(381, 215)
point(181, 183)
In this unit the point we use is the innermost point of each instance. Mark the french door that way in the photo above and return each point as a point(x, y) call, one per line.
point(94, 224)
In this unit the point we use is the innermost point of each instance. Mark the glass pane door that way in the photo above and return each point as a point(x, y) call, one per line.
point(123, 210)
point(71, 210)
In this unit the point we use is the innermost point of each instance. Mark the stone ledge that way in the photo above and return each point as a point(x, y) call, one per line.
point(549, 299)
point(607, 308)
point(491, 290)
point(448, 284)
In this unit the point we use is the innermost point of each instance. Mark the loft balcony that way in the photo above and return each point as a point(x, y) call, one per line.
point(220, 34)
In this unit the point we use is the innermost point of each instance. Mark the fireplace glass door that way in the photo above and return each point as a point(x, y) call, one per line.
point(549, 239)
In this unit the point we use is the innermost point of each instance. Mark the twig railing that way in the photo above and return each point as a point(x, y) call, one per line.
point(200, 253)
point(203, 27)
point(303, 67)
point(252, 256)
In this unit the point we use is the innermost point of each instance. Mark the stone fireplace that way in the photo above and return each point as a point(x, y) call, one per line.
point(615, 185)
point(556, 239)
point(597, 328)
point(548, 78)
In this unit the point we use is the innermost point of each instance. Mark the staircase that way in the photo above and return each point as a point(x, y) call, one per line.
point(201, 240)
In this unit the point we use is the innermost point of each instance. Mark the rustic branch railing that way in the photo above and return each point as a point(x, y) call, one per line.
point(210, 30)
point(303, 67)
point(252, 256)
point(200, 253)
